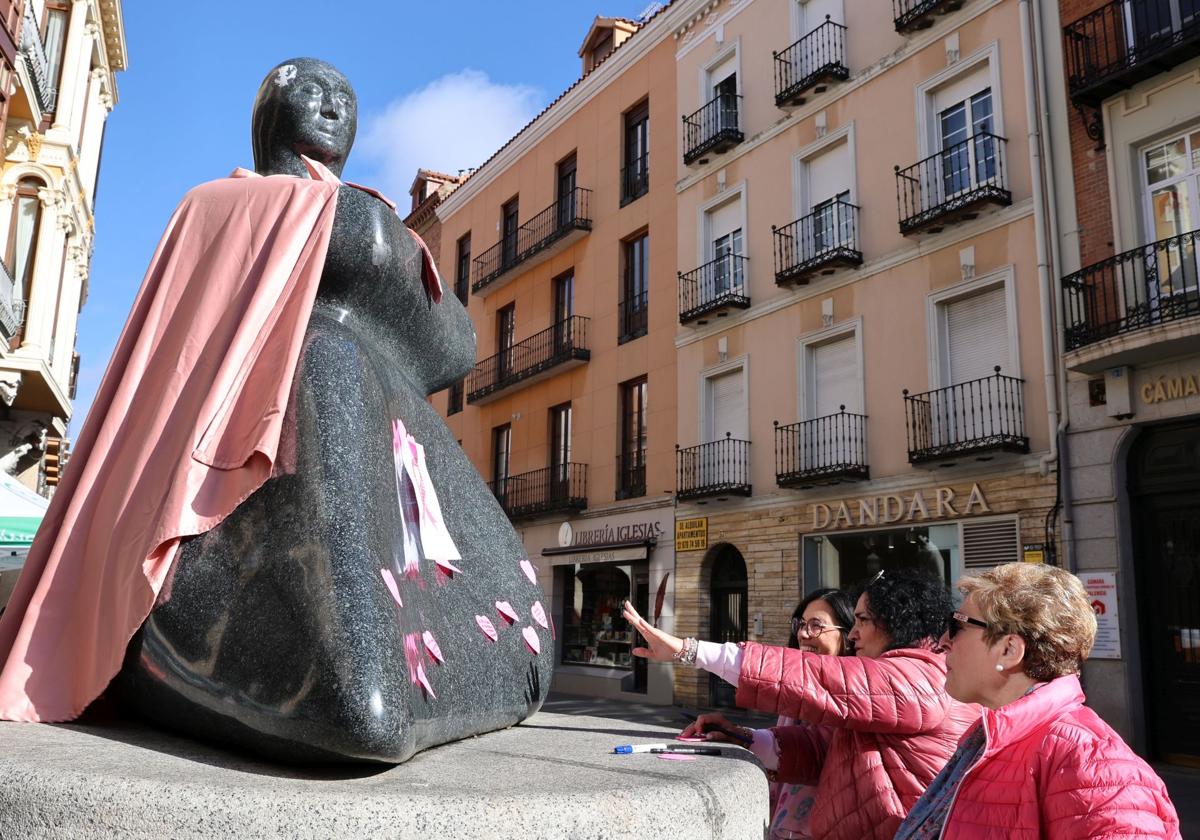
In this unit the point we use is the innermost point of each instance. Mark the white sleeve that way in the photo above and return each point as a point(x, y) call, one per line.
point(723, 660)
point(763, 747)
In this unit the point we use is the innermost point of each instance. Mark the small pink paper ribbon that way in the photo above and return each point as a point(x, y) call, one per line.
point(505, 609)
point(431, 645)
point(389, 580)
point(531, 639)
point(489, 629)
point(539, 614)
point(530, 571)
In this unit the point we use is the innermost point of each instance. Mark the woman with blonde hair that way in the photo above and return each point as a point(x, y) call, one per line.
point(1039, 763)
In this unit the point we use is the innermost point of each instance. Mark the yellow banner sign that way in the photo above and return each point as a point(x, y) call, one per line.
point(691, 534)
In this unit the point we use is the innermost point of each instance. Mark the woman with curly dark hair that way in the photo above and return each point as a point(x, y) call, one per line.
point(881, 723)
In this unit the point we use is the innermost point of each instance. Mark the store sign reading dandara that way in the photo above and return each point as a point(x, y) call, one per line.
point(895, 507)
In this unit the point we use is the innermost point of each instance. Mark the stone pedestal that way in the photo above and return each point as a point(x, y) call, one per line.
point(554, 776)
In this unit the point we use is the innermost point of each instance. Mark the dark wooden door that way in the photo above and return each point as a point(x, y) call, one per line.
point(729, 614)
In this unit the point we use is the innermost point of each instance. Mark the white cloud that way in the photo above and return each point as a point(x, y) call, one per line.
point(453, 123)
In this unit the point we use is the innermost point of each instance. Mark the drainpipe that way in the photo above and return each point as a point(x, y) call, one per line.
point(1045, 205)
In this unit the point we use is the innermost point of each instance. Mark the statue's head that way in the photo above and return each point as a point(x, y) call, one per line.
point(304, 107)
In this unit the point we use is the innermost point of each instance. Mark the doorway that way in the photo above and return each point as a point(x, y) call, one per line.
point(1164, 470)
point(728, 613)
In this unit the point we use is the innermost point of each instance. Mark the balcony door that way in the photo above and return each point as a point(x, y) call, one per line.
point(726, 418)
point(560, 451)
point(637, 152)
point(1149, 21)
point(631, 472)
point(976, 341)
point(509, 229)
point(566, 191)
point(564, 308)
point(725, 95)
point(506, 331)
point(1171, 202)
point(501, 454)
point(966, 162)
point(635, 282)
point(833, 383)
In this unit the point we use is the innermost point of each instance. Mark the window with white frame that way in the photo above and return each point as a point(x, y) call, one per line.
point(826, 204)
point(725, 412)
point(808, 15)
point(1171, 208)
point(724, 246)
point(831, 431)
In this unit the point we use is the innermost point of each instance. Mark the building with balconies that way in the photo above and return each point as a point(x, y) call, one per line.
point(860, 338)
point(67, 58)
point(562, 247)
point(1128, 146)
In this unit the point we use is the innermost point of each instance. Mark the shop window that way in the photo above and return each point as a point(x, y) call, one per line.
point(844, 560)
point(594, 631)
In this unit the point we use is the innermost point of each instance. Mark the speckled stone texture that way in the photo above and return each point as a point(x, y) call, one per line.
point(552, 777)
point(276, 631)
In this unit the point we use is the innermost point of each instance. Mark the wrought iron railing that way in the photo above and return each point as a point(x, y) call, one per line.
point(824, 449)
point(1125, 41)
point(918, 14)
point(565, 341)
point(715, 285)
point(34, 51)
point(719, 468)
point(983, 415)
point(12, 313)
point(954, 180)
point(633, 313)
point(631, 474)
point(550, 490)
point(713, 128)
point(817, 57)
point(1153, 284)
point(570, 213)
point(824, 239)
point(635, 179)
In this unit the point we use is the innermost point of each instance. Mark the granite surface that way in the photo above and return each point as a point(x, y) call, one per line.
point(302, 628)
point(554, 776)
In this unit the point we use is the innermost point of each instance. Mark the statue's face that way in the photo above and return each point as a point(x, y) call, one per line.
point(316, 110)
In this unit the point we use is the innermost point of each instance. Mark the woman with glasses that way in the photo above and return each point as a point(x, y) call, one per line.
point(1038, 763)
point(882, 724)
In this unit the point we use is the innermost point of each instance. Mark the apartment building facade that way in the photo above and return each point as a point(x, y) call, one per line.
point(1128, 225)
point(562, 246)
point(864, 378)
point(68, 55)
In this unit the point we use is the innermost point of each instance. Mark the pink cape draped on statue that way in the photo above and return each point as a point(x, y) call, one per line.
point(184, 427)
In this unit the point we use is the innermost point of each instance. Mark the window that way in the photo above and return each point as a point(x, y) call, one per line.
point(560, 441)
point(850, 558)
point(594, 631)
point(565, 191)
point(462, 272)
point(501, 454)
point(1171, 198)
point(55, 43)
point(725, 92)
point(508, 235)
point(635, 176)
point(725, 405)
point(564, 308)
point(506, 329)
point(603, 47)
point(22, 241)
point(635, 288)
point(454, 402)
point(967, 162)
point(1154, 19)
point(631, 478)
point(727, 268)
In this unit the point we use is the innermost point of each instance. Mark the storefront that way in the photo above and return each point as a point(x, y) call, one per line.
point(589, 568)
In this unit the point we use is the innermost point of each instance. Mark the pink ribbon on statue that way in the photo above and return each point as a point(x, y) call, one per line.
point(436, 542)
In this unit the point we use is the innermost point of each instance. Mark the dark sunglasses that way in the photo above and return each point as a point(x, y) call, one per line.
point(956, 622)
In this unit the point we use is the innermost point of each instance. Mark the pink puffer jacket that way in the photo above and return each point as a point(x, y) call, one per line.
point(894, 727)
point(1052, 768)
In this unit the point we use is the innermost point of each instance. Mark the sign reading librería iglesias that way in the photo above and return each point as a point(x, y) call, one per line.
point(898, 507)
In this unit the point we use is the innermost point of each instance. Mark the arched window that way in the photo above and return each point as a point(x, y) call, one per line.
point(23, 236)
point(728, 615)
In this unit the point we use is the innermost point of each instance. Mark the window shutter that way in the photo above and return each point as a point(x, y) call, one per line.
point(828, 175)
point(728, 406)
point(977, 336)
point(990, 543)
point(835, 378)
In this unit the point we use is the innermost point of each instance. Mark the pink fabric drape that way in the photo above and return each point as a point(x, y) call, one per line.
point(185, 426)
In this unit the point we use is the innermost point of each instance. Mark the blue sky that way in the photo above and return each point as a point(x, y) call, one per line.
point(440, 84)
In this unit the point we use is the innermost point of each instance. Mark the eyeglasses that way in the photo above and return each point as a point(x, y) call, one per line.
point(812, 627)
point(956, 622)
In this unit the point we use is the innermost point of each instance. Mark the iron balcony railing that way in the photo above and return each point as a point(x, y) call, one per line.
point(1125, 41)
point(633, 313)
point(822, 241)
point(1136, 289)
point(555, 489)
point(824, 450)
point(12, 313)
point(34, 52)
point(564, 342)
point(570, 213)
point(716, 285)
point(719, 468)
point(951, 184)
point(981, 416)
point(908, 15)
point(817, 58)
point(631, 474)
point(635, 179)
point(714, 128)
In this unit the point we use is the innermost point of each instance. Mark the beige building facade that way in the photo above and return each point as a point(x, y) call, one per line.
point(68, 56)
point(865, 380)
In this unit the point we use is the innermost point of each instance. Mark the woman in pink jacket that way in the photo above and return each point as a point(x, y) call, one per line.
point(884, 723)
point(1039, 763)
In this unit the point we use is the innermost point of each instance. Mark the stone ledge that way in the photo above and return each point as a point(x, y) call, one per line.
point(553, 776)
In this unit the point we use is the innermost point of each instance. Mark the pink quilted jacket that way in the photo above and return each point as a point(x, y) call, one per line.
point(893, 724)
point(1052, 768)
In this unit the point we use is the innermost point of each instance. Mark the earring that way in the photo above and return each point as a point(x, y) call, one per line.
point(999, 667)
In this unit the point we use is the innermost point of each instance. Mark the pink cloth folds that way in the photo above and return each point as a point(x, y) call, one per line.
point(185, 426)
